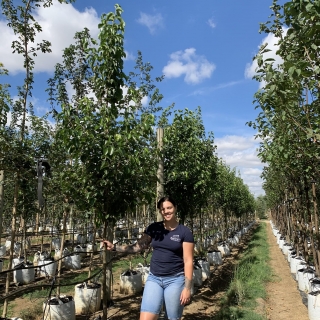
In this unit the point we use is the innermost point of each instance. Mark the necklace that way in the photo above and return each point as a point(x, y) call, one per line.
point(170, 228)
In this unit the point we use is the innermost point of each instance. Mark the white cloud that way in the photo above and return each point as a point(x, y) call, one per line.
point(207, 90)
point(241, 152)
point(144, 100)
point(9, 118)
point(152, 22)
point(59, 24)
point(252, 171)
point(211, 23)
point(129, 56)
point(195, 68)
point(232, 142)
point(39, 110)
point(272, 42)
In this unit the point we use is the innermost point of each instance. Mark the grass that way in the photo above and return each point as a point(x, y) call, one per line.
point(248, 284)
point(32, 312)
point(133, 260)
point(9, 310)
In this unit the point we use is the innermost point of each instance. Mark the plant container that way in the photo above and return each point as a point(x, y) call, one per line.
point(304, 277)
point(87, 298)
point(144, 271)
point(56, 243)
point(224, 248)
point(48, 267)
point(291, 254)
point(81, 250)
point(73, 261)
point(130, 282)
point(24, 273)
point(314, 305)
point(314, 284)
point(214, 257)
point(3, 250)
point(285, 248)
point(205, 265)
point(300, 266)
point(17, 261)
point(197, 275)
point(293, 264)
point(59, 308)
point(281, 242)
point(91, 247)
point(80, 238)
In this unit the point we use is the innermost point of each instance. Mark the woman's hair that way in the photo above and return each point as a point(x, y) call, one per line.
point(166, 198)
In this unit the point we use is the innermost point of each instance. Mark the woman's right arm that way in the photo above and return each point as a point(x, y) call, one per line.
point(141, 244)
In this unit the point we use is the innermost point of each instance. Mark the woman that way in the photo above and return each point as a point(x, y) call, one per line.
point(171, 266)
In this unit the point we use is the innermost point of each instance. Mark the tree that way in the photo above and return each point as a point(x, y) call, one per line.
point(288, 123)
point(19, 157)
point(261, 206)
point(107, 133)
point(189, 161)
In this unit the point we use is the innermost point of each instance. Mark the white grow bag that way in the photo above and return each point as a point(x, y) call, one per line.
point(72, 262)
point(48, 267)
point(144, 272)
point(197, 277)
point(3, 250)
point(293, 264)
point(314, 284)
point(285, 248)
point(87, 298)
point(205, 265)
point(56, 243)
point(214, 257)
point(130, 282)
point(304, 277)
point(24, 273)
point(224, 248)
point(62, 308)
point(314, 305)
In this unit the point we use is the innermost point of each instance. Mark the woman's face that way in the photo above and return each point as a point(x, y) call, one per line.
point(168, 211)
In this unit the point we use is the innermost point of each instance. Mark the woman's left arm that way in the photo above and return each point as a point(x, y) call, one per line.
point(188, 271)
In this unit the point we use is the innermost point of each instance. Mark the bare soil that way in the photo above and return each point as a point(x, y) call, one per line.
point(283, 303)
point(284, 300)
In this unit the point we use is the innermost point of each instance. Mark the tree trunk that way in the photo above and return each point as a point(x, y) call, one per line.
point(64, 222)
point(106, 270)
point(13, 232)
point(1, 201)
point(93, 244)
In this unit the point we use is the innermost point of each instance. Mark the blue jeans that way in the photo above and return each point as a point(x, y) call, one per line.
point(163, 289)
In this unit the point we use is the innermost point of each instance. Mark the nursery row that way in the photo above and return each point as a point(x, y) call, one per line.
point(86, 299)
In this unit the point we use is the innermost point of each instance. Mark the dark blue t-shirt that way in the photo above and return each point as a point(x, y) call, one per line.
point(167, 256)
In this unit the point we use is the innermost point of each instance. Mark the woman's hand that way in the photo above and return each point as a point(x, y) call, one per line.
point(108, 245)
point(185, 296)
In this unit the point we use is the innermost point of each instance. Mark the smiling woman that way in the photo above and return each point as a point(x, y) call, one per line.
point(171, 266)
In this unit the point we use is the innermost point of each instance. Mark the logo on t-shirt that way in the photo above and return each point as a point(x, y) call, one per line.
point(175, 238)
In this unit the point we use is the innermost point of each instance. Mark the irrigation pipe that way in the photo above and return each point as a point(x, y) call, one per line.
point(53, 285)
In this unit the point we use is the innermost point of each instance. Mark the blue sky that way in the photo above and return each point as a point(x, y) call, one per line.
point(204, 48)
